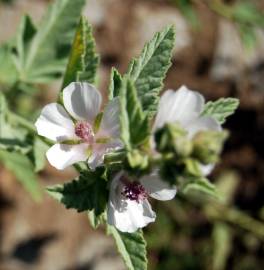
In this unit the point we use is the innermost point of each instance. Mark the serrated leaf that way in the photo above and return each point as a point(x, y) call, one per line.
point(148, 71)
point(83, 61)
point(132, 248)
point(133, 121)
point(87, 192)
point(51, 43)
point(22, 168)
point(201, 185)
point(221, 109)
point(115, 84)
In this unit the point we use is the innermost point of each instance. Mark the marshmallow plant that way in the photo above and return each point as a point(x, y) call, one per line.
point(128, 150)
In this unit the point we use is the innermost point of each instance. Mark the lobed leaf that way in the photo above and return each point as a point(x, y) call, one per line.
point(221, 109)
point(149, 70)
point(87, 192)
point(132, 248)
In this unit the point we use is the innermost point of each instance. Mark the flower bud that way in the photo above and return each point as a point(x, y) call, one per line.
point(207, 145)
point(173, 138)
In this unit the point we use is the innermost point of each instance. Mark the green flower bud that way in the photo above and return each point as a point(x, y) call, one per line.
point(137, 159)
point(172, 138)
point(207, 145)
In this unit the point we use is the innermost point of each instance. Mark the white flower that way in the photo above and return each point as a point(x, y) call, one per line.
point(185, 107)
point(72, 127)
point(128, 207)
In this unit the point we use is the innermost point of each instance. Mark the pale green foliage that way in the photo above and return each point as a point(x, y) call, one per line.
point(83, 60)
point(42, 53)
point(39, 150)
point(8, 73)
point(133, 121)
point(221, 109)
point(149, 69)
point(132, 248)
point(22, 168)
point(15, 151)
point(202, 185)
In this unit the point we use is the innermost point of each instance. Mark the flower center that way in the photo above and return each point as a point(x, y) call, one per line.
point(134, 191)
point(84, 131)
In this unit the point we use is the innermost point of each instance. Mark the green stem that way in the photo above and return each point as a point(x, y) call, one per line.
point(235, 217)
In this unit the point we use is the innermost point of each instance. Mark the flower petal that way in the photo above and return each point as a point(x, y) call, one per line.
point(181, 106)
point(157, 188)
point(110, 121)
point(63, 155)
point(99, 150)
point(127, 215)
point(82, 101)
point(202, 123)
point(55, 124)
point(207, 169)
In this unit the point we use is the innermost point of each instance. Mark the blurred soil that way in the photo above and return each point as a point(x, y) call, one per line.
point(213, 61)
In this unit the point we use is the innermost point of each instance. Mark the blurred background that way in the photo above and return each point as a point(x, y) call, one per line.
point(219, 51)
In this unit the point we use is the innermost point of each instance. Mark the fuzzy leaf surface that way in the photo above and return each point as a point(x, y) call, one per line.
point(87, 192)
point(149, 69)
point(83, 61)
point(133, 121)
point(221, 109)
point(49, 47)
point(132, 248)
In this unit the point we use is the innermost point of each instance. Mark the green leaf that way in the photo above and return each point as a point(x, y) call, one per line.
point(87, 192)
point(115, 84)
point(49, 48)
point(83, 61)
point(39, 150)
point(95, 220)
point(8, 72)
point(221, 109)
point(14, 145)
point(21, 166)
point(132, 248)
point(133, 121)
point(148, 71)
point(26, 32)
point(201, 185)
point(9, 134)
